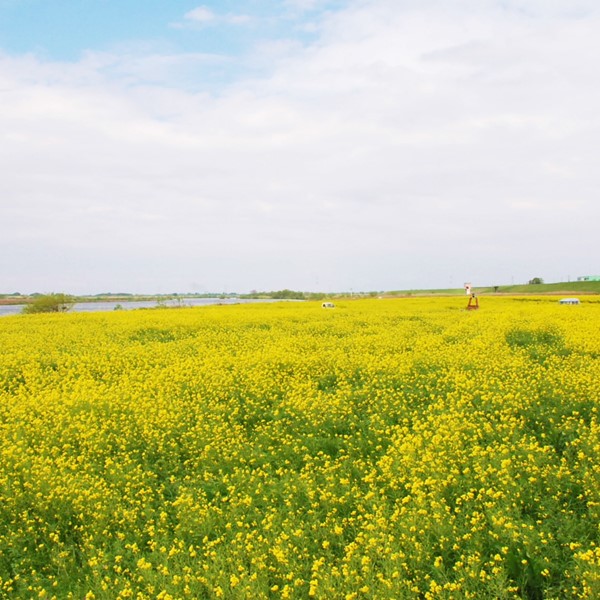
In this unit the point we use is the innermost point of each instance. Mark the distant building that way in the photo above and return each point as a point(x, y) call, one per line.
point(589, 278)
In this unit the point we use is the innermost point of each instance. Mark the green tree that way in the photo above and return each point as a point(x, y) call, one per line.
point(287, 295)
point(536, 281)
point(49, 303)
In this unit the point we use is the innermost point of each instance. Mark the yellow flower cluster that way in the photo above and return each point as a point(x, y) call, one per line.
point(384, 449)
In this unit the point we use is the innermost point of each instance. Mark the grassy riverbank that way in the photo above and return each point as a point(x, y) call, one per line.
point(561, 288)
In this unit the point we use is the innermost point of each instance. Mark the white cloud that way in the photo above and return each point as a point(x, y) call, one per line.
point(202, 14)
point(237, 19)
point(406, 147)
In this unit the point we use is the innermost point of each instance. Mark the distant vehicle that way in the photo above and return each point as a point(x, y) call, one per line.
point(569, 301)
point(328, 305)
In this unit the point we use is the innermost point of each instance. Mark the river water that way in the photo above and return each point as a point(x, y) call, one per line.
point(14, 309)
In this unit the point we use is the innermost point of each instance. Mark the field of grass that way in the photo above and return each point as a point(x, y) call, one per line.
point(384, 449)
point(571, 287)
point(565, 287)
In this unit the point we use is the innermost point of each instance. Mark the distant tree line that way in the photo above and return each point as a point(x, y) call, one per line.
point(285, 295)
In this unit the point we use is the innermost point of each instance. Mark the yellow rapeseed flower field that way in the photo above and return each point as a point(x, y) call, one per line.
point(384, 449)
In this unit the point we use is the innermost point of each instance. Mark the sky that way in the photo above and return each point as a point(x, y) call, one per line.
point(316, 145)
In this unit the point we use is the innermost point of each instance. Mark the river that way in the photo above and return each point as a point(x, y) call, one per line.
point(14, 309)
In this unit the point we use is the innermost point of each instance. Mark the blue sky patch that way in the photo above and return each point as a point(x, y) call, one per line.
point(64, 29)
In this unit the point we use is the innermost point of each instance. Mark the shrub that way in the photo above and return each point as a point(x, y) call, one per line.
point(50, 303)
